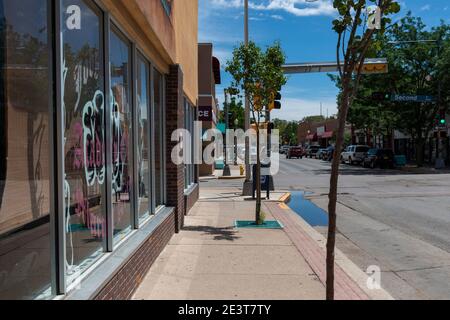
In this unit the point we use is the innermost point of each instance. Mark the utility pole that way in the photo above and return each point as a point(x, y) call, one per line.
point(226, 167)
point(440, 161)
point(247, 188)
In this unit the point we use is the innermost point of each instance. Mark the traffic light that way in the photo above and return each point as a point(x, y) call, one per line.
point(442, 117)
point(276, 104)
point(381, 96)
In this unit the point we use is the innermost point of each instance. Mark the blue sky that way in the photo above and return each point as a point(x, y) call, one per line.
point(304, 30)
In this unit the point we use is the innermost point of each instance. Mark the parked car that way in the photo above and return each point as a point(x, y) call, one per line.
point(321, 154)
point(311, 151)
point(284, 149)
point(295, 152)
point(354, 154)
point(329, 153)
point(383, 158)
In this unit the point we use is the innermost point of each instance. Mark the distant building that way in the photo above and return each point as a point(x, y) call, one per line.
point(320, 133)
point(208, 109)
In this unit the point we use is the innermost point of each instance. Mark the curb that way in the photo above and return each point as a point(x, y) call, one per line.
point(231, 178)
point(285, 198)
point(358, 276)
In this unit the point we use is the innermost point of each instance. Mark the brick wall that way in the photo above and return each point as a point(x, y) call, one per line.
point(125, 282)
point(191, 198)
point(174, 120)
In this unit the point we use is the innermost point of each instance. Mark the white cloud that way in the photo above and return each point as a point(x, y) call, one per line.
point(295, 7)
point(426, 7)
point(223, 55)
point(297, 109)
point(277, 17)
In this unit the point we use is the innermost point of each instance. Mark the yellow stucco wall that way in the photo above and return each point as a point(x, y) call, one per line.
point(165, 40)
point(185, 18)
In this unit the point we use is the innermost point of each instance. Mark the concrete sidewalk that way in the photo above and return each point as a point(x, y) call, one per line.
point(211, 259)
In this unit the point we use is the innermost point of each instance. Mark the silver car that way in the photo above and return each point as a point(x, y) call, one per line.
point(354, 154)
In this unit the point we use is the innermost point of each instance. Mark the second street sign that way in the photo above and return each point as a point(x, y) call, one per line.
point(412, 98)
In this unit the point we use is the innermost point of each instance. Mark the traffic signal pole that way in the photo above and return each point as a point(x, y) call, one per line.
point(247, 188)
point(226, 167)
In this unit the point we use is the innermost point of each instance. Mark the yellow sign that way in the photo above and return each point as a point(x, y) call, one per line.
point(374, 68)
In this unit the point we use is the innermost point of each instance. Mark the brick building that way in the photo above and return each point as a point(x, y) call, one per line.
point(90, 93)
point(209, 77)
point(317, 133)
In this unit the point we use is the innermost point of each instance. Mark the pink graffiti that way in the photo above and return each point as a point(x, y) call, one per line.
point(95, 224)
point(95, 153)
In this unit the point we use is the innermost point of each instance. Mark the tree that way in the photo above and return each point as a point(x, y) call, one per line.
point(260, 75)
point(314, 119)
point(418, 59)
point(417, 62)
point(353, 42)
point(237, 112)
point(287, 131)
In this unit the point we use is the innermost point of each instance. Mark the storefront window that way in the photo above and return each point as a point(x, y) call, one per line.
point(121, 113)
point(25, 255)
point(159, 138)
point(143, 138)
point(84, 109)
point(189, 169)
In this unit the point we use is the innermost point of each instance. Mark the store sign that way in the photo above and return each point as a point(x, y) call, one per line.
point(205, 113)
point(320, 131)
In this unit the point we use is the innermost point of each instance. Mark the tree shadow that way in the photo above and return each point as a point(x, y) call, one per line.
point(219, 233)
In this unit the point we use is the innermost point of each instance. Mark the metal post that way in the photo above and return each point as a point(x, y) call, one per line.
point(247, 184)
point(226, 167)
point(440, 161)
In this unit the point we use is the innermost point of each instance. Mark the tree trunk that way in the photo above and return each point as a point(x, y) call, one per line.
point(258, 179)
point(332, 196)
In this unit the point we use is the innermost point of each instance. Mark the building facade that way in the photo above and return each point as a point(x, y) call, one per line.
point(90, 93)
point(209, 77)
point(317, 133)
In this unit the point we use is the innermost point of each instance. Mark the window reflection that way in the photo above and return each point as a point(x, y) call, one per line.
point(143, 139)
point(159, 138)
point(122, 167)
point(24, 150)
point(84, 109)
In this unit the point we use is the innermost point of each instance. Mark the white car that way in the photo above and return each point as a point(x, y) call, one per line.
point(354, 154)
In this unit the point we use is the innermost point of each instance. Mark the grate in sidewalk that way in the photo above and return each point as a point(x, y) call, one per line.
point(252, 225)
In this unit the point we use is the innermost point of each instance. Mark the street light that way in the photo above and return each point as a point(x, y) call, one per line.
point(226, 167)
point(247, 188)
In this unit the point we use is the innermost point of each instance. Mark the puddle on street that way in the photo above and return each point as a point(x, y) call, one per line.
point(312, 214)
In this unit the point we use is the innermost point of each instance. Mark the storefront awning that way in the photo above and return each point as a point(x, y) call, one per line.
point(327, 135)
point(216, 70)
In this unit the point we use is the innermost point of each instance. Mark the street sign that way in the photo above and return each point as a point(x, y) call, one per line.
point(375, 68)
point(412, 98)
point(205, 113)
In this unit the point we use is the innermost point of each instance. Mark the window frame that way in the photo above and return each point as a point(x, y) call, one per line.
point(108, 25)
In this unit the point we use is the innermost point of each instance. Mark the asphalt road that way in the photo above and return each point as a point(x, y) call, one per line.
point(397, 221)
